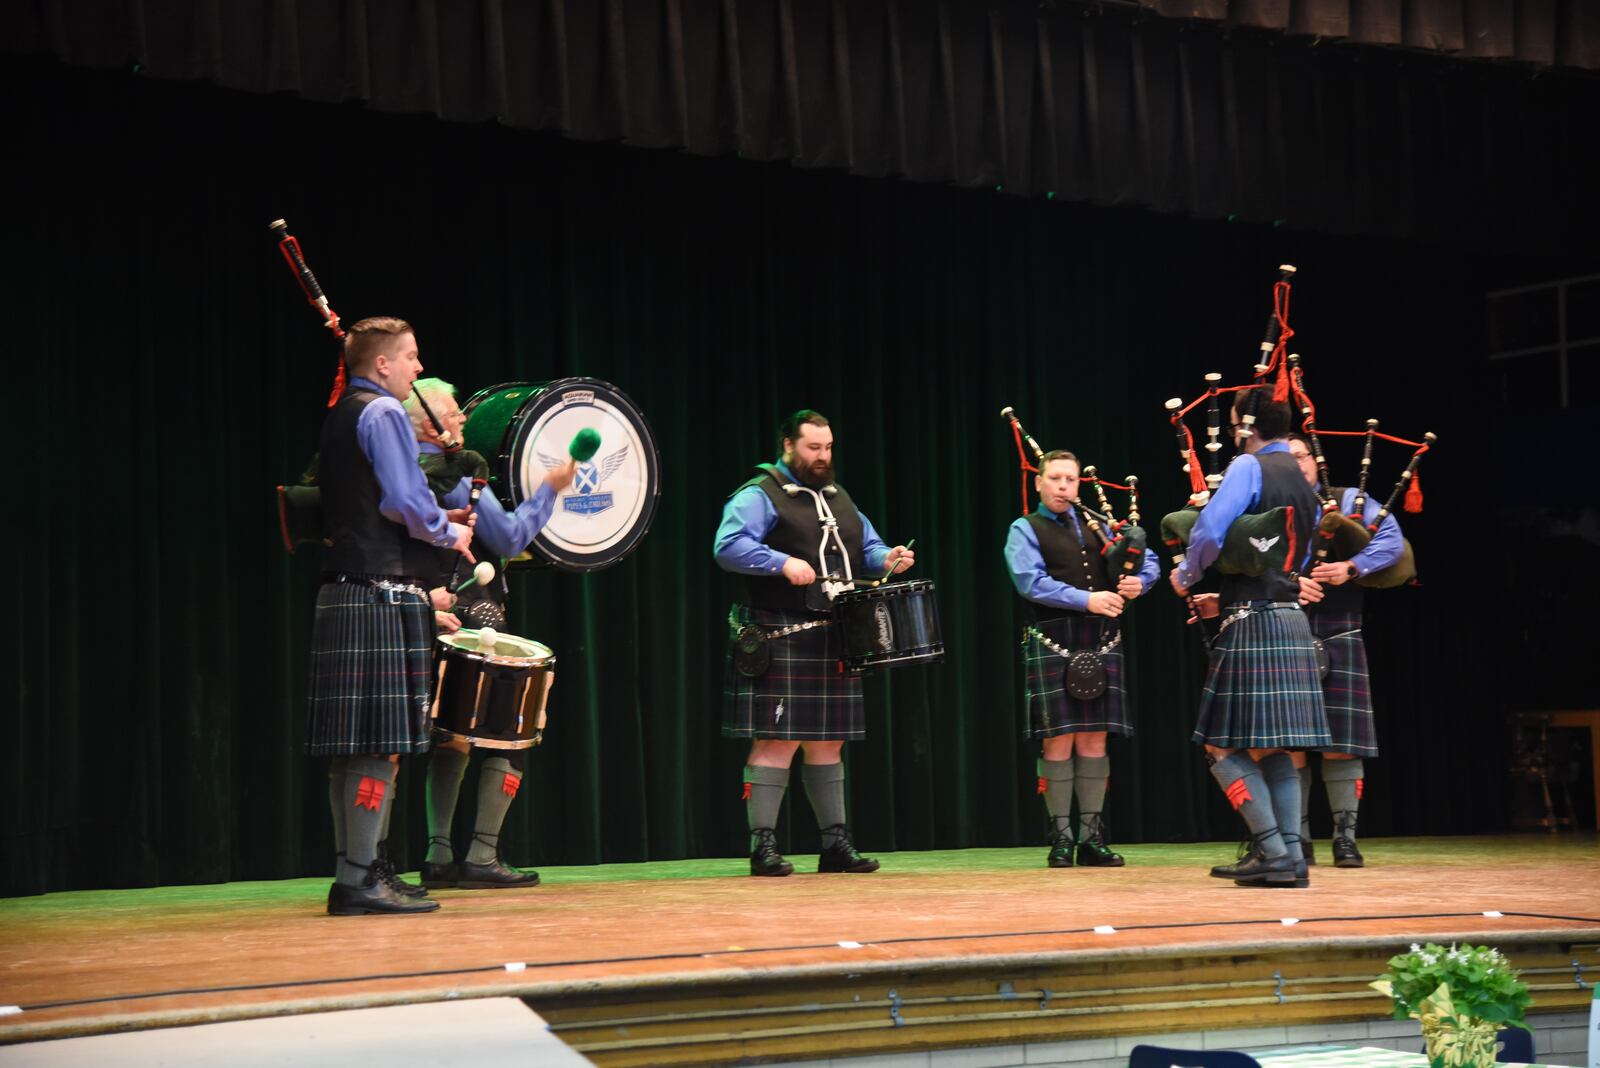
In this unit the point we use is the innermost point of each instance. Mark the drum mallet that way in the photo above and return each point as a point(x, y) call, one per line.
point(482, 575)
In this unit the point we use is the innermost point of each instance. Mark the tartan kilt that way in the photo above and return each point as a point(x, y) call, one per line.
point(1347, 691)
point(1048, 709)
point(371, 678)
point(805, 693)
point(1262, 690)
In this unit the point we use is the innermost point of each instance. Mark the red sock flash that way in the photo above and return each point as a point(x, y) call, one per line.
point(510, 784)
point(1360, 787)
point(1238, 793)
point(1044, 784)
point(369, 794)
point(746, 795)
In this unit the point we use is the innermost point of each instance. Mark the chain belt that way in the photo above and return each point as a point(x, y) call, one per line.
point(782, 632)
point(1059, 651)
point(1244, 611)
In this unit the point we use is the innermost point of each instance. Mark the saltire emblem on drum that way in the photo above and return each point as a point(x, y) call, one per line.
point(587, 480)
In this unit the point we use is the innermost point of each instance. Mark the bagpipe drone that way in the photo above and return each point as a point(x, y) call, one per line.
point(1339, 536)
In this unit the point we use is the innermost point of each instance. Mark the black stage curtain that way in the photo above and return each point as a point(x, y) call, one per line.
point(1098, 103)
point(164, 374)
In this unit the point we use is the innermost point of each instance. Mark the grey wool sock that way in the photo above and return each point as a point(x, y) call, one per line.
point(368, 781)
point(825, 789)
point(763, 790)
point(336, 768)
point(446, 767)
point(1305, 802)
point(1283, 783)
point(1343, 778)
point(1056, 784)
point(1094, 775)
point(1246, 790)
point(498, 783)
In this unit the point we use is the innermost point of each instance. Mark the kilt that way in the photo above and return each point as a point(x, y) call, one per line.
point(1347, 691)
point(1262, 689)
point(805, 693)
point(1048, 709)
point(371, 677)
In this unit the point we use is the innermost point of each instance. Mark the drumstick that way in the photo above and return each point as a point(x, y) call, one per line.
point(893, 563)
point(482, 575)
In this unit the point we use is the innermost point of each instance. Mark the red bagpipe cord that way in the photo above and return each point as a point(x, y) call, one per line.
point(1022, 458)
point(1279, 361)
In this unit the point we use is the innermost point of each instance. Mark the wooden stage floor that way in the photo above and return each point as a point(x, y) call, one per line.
point(626, 935)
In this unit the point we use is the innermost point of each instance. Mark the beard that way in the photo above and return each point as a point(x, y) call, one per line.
point(814, 475)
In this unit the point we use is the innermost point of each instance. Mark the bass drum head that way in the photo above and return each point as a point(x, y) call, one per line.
point(524, 429)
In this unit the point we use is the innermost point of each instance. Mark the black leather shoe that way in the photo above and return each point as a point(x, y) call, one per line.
point(1345, 853)
point(1302, 879)
point(383, 868)
point(1247, 852)
point(841, 856)
point(492, 875)
point(373, 896)
point(1307, 852)
point(1092, 851)
point(765, 859)
point(440, 876)
point(1060, 848)
point(1256, 868)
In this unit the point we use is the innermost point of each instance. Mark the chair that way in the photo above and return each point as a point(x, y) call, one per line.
point(1161, 1057)
point(1518, 1048)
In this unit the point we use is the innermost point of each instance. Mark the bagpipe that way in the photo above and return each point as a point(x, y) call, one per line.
point(1123, 542)
point(1339, 536)
point(300, 518)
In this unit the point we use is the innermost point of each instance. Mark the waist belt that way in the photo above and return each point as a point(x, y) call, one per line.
point(391, 584)
point(782, 632)
point(1243, 609)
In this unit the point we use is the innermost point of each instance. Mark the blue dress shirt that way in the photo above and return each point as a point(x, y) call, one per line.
point(504, 534)
point(384, 433)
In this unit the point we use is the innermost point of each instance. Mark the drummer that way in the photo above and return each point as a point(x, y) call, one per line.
point(499, 534)
point(786, 688)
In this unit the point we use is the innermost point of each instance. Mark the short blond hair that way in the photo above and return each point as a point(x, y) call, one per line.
point(368, 337)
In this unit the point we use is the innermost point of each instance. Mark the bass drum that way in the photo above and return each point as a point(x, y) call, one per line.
point(524, 429)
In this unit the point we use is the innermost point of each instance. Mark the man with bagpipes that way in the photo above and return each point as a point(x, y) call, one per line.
point(1075, 571)
point(372, 638)
point(1262, 698)
point(457, 477)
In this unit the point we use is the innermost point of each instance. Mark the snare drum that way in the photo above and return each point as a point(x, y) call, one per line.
point(492, 698)
point(524, 428)
point(889, 625)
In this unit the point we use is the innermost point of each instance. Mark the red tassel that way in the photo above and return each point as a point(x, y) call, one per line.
point(510, 785)
point(338, 383)
point(1280, 388)
point(1414, 494)
point(746, 795)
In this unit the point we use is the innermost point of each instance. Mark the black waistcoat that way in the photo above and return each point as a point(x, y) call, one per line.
point(1281, 484)
point(1067, 559)
point(362, 540)
point(798, 533)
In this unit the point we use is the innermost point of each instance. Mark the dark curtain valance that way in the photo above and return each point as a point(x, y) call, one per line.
point(1099, 103)
point(1563, 33)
